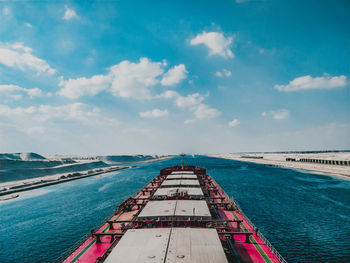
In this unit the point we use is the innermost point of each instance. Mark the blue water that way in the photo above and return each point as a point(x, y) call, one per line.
point(305, 216)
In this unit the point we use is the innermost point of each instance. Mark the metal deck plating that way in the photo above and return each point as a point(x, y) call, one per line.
point(177, 220)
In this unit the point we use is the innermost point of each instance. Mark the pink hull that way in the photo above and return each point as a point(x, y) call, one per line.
point(244, 247)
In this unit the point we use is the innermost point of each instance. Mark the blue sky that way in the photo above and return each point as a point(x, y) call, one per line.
point(120, 77)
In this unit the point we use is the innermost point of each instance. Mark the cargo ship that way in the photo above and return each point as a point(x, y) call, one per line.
point(181, 215)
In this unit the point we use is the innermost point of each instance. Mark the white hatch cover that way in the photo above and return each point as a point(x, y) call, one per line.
point(175, 183)
point(192, 208)
point(195, 245)
point(155, 209)
point(168, 245)
point(173, 191)
point(181, 176)
point(179, 208)
point(141, 246)
point(183, 172)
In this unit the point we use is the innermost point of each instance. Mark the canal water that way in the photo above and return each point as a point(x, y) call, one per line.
point(305, 216)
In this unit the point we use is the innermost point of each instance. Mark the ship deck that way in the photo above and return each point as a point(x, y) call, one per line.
point(177, 225)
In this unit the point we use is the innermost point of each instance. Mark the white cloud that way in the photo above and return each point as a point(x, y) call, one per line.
point(169, 94)
point(193, 103)
point(34, 92)
point(20, 46)
point(16, 92)
point(155, 113)
point(203, 111)
point(234, 123)
point(7, 88)
point(134, 80)
point(308, 82)
point(282, 114)
point(75, 88)
point(19, 56)
point(223, 73)
point(126, 79)
point(74, 125)
point(174, 75)
point(29, 25)
point(12, 92)
point(189, 101)
point(217, 43)
point(69, 14)
point(44, 114)
point(227, 73)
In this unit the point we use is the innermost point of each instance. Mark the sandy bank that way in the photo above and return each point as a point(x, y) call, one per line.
point(8, 188)
point(30, 184)
point(279, 159)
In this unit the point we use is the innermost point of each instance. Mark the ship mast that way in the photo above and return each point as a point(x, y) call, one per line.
point(182, 161)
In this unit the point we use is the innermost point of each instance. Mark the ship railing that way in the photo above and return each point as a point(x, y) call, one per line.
point(77, 244)
point(107, 252)
point(72, 248)
point(81, 240)
point(267, 242)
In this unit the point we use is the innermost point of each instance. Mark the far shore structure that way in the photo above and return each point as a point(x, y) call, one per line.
point(330, 163)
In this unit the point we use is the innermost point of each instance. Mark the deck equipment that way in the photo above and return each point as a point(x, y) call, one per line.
point(182, 215)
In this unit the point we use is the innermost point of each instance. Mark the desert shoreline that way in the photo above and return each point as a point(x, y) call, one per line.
point(40, 182)
point(34, 183)
point(338, 171)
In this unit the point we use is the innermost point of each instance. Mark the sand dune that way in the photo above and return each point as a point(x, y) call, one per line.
point(21, 156)
point(23, 166)
point(67, 172)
